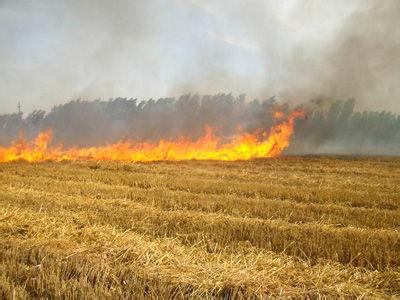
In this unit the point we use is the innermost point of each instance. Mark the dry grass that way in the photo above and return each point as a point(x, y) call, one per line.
point(302, 227)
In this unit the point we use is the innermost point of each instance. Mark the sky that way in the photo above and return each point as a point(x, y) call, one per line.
point(54, 51)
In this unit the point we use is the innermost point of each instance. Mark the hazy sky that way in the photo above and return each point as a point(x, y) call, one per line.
point(55, 51)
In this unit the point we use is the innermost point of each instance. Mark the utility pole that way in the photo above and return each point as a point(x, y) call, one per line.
point(19, 108)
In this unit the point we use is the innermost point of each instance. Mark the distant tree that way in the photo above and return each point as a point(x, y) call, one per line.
point(333, 124)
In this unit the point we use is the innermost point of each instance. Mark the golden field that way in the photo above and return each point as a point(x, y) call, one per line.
point(290, 227)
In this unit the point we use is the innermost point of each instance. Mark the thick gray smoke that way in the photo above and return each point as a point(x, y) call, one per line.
point(55, 51)
point(361, 61)
point(306, 52)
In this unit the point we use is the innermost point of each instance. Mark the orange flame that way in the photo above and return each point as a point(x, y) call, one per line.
point(242, 147)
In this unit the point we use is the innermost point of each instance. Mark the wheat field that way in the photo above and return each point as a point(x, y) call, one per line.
point(290, 227)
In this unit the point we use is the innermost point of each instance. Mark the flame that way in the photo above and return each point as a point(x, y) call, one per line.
point(243, 146)
point(279, 115)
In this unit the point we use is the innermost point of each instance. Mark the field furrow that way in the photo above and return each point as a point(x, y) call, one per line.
point(356, 246)
point(291, 227)
point(106, 261)
point(259, 207)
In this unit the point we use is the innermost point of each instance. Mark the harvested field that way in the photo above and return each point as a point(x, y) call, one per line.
point(291, 226)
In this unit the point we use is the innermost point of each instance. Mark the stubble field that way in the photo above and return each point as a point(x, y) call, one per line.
point(292, 226)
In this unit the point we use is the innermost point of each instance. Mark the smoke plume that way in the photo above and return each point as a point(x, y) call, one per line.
point(361, 61)
point(54, 51)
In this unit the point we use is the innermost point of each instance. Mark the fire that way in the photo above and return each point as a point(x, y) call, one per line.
point(243, 146)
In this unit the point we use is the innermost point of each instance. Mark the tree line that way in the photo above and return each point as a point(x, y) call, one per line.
point(333, 128)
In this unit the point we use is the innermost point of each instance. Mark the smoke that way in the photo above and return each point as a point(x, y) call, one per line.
point(55, 51)
point(361, 61)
